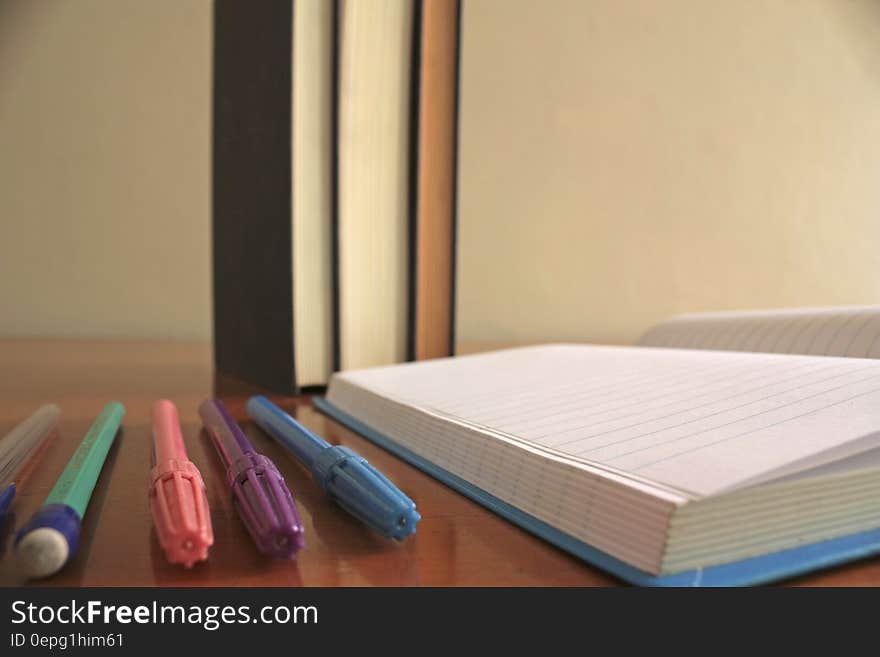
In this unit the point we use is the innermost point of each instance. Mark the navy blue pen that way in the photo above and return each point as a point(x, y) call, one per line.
point(345, 476)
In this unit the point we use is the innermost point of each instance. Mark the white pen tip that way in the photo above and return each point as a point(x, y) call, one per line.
point(42, 552)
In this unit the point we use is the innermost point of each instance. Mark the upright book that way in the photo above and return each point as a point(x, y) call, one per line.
point(433, 241)
point(375, 106)
point(273, 191)
point(665, 466)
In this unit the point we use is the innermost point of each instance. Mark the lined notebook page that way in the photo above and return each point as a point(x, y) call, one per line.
point(842, 331)
point(700, 421)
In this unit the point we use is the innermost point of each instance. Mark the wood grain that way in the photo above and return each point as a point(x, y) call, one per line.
point(458, 543)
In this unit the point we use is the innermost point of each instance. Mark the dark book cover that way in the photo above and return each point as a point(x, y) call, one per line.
point(251, 195)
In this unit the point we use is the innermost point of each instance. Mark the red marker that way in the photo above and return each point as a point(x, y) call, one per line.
point(177, 493)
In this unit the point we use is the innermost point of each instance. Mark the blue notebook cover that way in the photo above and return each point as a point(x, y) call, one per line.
point(755, 570)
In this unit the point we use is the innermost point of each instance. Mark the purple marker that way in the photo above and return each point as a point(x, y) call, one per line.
point(259, 493)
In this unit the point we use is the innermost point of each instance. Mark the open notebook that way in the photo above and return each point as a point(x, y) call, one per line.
point(661, 464)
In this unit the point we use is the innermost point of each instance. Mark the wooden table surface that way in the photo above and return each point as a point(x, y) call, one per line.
point(458, 543)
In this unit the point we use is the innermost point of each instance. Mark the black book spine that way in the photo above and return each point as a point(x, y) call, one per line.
point(453, 269)
point(334, 183)
point(413, 183)
point(251, 192)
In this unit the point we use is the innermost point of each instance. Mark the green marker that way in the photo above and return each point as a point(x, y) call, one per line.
point(49, 539)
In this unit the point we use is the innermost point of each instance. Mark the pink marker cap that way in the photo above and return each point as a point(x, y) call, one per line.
point(177, 493)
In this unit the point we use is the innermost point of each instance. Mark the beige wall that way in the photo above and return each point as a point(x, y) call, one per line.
point(623, 160)
point(105, 167)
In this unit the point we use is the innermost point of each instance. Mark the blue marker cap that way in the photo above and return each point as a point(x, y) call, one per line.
point(365, 492)
point(345, 476)
point(48, 540)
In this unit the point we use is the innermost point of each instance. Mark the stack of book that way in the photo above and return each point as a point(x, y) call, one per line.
point(333, 186)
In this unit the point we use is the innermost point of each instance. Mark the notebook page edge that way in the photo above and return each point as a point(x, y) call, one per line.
point(362, 378)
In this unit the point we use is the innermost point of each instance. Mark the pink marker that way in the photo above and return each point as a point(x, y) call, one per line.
point(177, 493)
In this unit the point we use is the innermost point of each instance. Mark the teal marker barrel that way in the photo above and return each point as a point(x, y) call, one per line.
point(50, 538)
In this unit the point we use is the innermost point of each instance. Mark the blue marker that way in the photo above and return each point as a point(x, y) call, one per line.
point(345, 476)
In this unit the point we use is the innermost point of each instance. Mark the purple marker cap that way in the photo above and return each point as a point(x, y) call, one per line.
point(259, 493)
